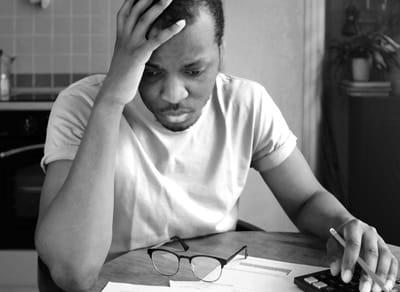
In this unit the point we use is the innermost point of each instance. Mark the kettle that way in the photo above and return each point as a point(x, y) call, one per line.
point(5, 71)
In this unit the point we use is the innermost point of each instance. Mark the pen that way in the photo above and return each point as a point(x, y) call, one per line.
point(360, 261)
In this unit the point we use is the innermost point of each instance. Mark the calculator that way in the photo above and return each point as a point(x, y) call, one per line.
point(324, 281)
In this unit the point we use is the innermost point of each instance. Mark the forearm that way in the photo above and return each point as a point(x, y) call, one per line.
point(76, 229)
point(321, 212)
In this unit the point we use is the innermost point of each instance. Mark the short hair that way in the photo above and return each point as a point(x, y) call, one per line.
point(189, 10)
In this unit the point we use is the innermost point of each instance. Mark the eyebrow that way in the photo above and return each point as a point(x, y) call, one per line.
point(192, 64)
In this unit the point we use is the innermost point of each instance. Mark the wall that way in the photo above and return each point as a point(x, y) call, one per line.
point(265, 42)
point(68, 36)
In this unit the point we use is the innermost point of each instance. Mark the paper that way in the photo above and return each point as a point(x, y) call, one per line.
point(257, 274)
point(123, 287)
point(202, 286)
point(240, 275)
point(254, 275)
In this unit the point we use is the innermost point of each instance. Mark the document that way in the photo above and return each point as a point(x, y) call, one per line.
point(256, 275)
point(124, 287)
point(240, 275)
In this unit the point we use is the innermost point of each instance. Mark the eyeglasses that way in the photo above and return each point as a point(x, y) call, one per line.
point(206, 268)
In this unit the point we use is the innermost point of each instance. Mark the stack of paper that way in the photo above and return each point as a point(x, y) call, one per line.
point(367, 88)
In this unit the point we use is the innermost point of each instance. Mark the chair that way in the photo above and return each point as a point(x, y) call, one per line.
point(246, 226)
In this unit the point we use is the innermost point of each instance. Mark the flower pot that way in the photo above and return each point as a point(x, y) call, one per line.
point(361, 68)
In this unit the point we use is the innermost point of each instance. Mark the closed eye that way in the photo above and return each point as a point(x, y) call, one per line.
point(151, 72)
point(193, 73)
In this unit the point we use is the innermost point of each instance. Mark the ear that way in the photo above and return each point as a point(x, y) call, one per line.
point(221, 49)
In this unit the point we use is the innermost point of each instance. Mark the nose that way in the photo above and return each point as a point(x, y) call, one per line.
point(174, 90)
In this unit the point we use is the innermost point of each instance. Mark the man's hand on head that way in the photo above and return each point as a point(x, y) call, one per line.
point(134, 46)
point(362, 240)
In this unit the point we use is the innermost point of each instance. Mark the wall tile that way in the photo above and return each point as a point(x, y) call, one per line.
point(7, 44)
point(80, 45)
point(6, 25)
point(41, 45)
point(23, 8)
point(61, 64)
point(81, 7)
point(42, 64)
point(62, 80)
point(99, 25)
point(23, 64)
point(80, 25)
point(24, 46)
point(61, 45)
point(80, 64)
point(99, 44)
point(69, 36)
point(24, 25)
point(43, 24)
point(7, 7)
point(99, 63)
point(63, 7)
point(62, 25)
point(99, 7)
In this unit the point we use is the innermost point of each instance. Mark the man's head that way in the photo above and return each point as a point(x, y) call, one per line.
point(180, 75)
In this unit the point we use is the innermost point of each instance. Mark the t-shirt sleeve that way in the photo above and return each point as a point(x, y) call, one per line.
point(66, 126)
point(273, 141)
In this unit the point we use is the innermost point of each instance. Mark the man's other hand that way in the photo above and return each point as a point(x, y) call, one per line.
point(362, 240)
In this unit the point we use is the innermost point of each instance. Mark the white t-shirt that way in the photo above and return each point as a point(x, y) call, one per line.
point(178, 183)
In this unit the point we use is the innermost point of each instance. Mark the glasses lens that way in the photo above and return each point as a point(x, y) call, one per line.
point(165, 263)
point(206, 268)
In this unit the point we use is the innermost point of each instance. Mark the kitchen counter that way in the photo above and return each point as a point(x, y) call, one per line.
point(25, 105)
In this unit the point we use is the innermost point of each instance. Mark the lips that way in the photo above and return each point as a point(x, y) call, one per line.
point(176, 113)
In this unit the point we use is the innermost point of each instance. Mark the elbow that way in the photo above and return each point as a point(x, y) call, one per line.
point(72, 278)
point(70, 274)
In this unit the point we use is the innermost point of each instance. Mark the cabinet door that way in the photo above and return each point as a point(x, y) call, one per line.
point(374, 164)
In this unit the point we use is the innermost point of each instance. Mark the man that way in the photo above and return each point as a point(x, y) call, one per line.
point(162, 145)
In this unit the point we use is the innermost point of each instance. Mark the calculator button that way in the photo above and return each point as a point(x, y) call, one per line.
point(319, 285)
point(310, 280)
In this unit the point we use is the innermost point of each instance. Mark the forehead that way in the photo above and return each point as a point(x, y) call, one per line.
point(196, 40)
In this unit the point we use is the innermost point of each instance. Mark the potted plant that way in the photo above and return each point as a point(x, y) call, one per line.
point(365, 51)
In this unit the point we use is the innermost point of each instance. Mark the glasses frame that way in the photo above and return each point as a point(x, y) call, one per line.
point(223, 261)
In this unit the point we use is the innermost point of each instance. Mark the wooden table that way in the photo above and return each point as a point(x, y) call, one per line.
point(135, 267)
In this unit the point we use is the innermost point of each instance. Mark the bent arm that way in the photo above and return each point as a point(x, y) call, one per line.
point(74, 229)
point(311, 208)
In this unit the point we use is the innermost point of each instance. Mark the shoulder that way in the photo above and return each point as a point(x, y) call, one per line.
point(75, 102)
point(234, 85)
point(240, 92)
point(82, 91)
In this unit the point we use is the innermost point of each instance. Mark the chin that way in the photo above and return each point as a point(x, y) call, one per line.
point(177, 128)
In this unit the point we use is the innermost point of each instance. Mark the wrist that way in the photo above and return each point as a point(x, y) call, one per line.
point(106, 103)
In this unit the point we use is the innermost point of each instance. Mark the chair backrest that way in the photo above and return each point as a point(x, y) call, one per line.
point(246, 226)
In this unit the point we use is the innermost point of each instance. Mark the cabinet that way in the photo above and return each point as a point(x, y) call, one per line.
point(374, 163)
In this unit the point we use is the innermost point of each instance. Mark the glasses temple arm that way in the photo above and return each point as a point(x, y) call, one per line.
point(244, 247)
point(184, 245)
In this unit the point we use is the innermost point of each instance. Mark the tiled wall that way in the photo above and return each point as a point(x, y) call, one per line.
point(70, 36)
